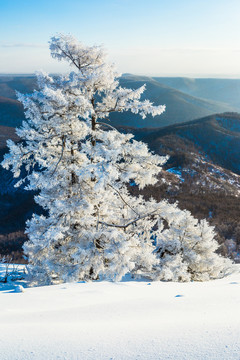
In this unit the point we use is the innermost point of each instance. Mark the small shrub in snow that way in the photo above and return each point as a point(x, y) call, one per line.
point(5, 262)
point(19, 289)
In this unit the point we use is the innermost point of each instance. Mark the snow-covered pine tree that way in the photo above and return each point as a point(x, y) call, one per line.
point(81, 166)
point(186, 249)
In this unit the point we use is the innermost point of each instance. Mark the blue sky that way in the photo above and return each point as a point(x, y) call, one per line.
point(151, 37)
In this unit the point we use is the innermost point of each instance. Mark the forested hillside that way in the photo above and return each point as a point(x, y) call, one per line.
point(218, 136)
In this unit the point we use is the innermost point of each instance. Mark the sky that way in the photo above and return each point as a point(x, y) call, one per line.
point(195, 38)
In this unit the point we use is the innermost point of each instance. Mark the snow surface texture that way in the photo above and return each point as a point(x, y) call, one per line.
point(122, 321)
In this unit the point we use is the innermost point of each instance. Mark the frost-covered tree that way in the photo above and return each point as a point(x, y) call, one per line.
point(186, 249)
point(81, 167)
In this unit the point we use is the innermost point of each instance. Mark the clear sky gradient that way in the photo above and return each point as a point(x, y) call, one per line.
point(198, 38)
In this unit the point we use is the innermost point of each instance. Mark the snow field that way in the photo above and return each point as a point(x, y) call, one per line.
point(125, 320)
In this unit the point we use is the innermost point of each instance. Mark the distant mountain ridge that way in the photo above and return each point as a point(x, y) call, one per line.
point(226, 91)
point(11, 112)
point(9, 84)
point(218, 136)
point(180, 107)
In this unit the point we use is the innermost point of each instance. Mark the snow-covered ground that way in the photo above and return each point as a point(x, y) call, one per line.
point(125, 320)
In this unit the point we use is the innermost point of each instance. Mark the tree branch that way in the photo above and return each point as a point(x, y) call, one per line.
point(105, 124)
point(63, 146)
point(130, 222)
point(123, 199)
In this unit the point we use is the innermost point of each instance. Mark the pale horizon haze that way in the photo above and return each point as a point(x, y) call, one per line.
point(194, 38)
